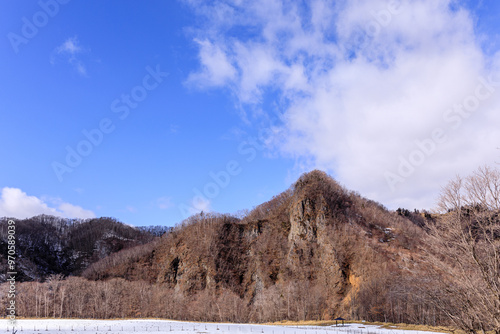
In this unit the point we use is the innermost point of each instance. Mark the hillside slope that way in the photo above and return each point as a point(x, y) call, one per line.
point(48, 245)
point(311, 252)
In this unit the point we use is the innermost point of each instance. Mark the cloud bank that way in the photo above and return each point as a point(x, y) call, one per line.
point(393, 98)
point(14, 203)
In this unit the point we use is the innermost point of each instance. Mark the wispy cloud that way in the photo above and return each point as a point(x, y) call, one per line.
point(360, 85)
point(70, 46)
point(216, 67)
point(174, 128)
point(164, 203)
point(198, 204)
point(16, 203)
point(71, 51)
point(131, 209)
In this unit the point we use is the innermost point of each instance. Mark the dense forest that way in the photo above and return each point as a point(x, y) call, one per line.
point(48, 245)
point(315, 251)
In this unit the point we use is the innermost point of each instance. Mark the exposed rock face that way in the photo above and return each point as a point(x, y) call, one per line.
point(304, 221)
point(316, 240)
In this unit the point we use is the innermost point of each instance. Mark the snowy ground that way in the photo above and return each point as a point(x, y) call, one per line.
point(66, 326)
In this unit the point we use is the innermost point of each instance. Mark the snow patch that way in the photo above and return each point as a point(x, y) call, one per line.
point(148, 326)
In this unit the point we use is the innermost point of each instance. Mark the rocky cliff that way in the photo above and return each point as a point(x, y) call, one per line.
point(316, 242)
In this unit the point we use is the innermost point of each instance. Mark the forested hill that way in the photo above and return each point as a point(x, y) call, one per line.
point(312, 251)
point(48, 245)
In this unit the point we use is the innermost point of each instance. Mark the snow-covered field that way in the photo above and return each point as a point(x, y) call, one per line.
point(67, 326)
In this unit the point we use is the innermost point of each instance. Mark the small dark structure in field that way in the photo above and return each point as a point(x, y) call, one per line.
point(339, 319)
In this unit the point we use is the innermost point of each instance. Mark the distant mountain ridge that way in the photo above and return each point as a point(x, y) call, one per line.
point(48, 245)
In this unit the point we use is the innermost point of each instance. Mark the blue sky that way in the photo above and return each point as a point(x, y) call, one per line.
point(149, 111)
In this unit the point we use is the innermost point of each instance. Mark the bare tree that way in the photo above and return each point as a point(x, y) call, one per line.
point(466, 251)
point(53, 284)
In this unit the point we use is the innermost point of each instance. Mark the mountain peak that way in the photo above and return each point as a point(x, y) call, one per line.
point(318, 186)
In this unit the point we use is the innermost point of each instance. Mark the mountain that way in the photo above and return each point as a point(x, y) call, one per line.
point(48, 245)
point(312, 252)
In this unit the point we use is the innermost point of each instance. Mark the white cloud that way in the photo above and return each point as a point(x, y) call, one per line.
point(16, 203)
point(365, 85)
point(71, 51)
point(74, 211)
point(70, 46)
point(164, 203)
point(199, 204)
point(174, 128)
point(131, 209)
point(216, 69)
